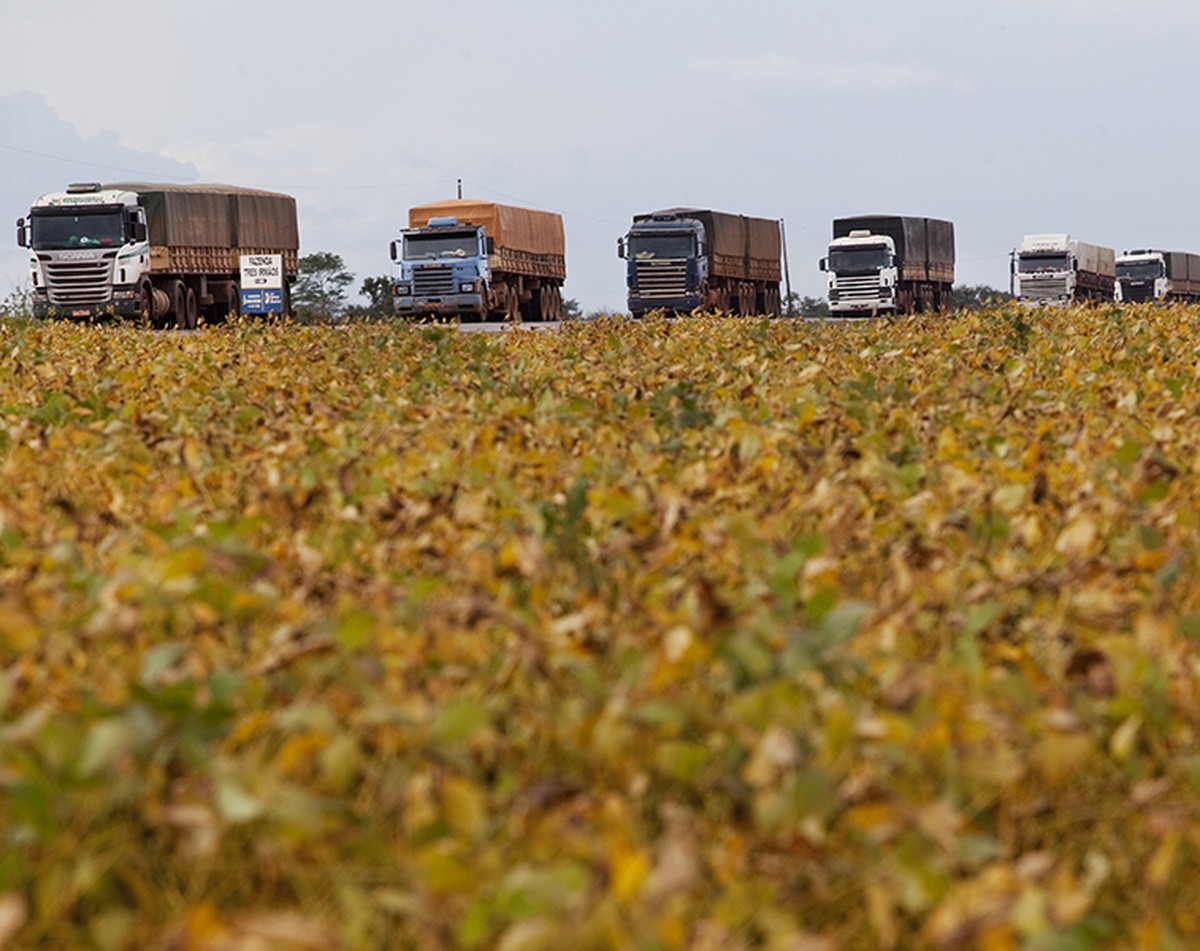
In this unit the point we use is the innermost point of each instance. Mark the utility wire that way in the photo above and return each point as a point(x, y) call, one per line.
point(111, 168)
point(184, 179)
point(565, 214)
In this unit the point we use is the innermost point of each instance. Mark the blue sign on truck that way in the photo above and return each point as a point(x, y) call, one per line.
point(263, 301)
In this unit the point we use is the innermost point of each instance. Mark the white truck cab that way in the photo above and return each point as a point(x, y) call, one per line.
point(88, 252)
point(1141, 276)
point(861, 273)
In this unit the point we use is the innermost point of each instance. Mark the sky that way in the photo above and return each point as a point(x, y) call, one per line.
point(1009, 117)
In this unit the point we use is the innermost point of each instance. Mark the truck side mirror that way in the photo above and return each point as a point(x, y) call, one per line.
point(139, 231)
point(22, 240)
point(490, 245)
point(392, 248)
point(823, 264)
point(621, 248)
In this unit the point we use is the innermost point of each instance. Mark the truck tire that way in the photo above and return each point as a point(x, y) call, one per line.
point(177, 295)
point(512, 304)
point(190, 311)
point(222, 311)
point(145, 309)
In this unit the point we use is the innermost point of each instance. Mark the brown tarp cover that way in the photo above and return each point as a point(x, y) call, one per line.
point(512, 228)
point(1182, 265)
point(217, 216)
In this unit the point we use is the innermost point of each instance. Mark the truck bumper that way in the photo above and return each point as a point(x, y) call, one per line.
point(452, 305)
point(96, 313)
point(684, 304)
point(860, 308)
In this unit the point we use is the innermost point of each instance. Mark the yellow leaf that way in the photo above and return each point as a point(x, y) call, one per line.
point(1162, 862)
point(1153, 632)
point(465, 805)
point(1059, 756)
point(299, 751)
point(1078, 539)
point(1121, 744)
point(628, 868)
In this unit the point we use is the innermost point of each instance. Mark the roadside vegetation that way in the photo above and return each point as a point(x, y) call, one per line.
point(703, 634)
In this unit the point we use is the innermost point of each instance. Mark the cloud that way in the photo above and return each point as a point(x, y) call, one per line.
point(41, 152)
point(791, 76)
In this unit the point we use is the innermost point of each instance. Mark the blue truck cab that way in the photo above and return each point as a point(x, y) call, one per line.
point(443, 270)
point(667, 263)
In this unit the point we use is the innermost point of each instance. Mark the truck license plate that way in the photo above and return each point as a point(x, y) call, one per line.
point(81, 313)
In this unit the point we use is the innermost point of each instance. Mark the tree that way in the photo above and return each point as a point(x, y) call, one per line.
point(18, 305)
point(378, 292)
point(813, 308)
point(977, 297)
point(571, 309)
point(320, 289)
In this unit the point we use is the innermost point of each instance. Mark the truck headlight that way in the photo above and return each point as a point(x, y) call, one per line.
point(467, 287)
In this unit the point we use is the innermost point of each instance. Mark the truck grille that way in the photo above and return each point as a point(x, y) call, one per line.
point(1137, 293)
point(1043, 288)
point(433, 281)
point(661, 280)
point(858, 290)
point(80, 283)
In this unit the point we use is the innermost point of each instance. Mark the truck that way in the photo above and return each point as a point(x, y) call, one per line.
point(1145, 274)
point(163, 254)
point(681, 260)
point(479, 260)
point(889, 264)
point(1056, 269)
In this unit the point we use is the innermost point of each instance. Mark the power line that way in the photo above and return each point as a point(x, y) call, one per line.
point(72, 161)
point(565, 214)
point(184, 179)
point(314, 188)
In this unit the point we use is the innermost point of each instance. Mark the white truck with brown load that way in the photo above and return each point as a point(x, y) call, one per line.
point(889, 264)
point(1056, 269)
point(1147, 275)
point(681, 260)
point(480, 260)
point(165, 254)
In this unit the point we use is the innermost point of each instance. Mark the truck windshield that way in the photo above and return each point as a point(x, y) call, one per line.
point(459, 245)
point(1032, 263)
point(647, 247)
point(1139, 270)
point(858, 260)
point(97, 229)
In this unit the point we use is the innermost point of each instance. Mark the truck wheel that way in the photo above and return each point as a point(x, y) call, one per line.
point(188, 317)
point(234, 308)
point(145, 307)
point(177, 294)
point(512, 304)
